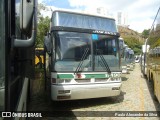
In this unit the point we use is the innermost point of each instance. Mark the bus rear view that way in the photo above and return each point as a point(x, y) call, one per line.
point(84, 56)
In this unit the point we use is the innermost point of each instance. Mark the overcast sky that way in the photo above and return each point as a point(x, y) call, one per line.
point(141, 13)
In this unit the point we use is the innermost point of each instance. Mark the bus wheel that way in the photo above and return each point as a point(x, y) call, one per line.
point(149, 78)
point(153, 87)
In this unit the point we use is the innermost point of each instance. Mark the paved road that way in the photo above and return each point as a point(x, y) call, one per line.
point(136, 95)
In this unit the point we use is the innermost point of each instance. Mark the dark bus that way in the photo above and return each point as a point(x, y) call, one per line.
point(17, 38)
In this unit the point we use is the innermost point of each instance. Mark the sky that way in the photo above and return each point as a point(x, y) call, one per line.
point(140, 13)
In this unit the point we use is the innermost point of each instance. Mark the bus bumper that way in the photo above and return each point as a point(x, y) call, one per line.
point(84, 91)
point(125, 70)
point(130, 67)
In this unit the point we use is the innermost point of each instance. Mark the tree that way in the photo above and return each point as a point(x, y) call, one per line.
point(145, 33)
point(42, 27)
point(137, 51)
point(133, 43)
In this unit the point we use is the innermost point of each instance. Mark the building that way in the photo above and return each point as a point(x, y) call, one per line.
point(104, 11)
point(122, 19)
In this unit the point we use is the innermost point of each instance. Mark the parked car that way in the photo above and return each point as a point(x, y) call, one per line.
point(137, 59)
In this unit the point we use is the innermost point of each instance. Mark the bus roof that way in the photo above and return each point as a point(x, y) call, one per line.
point(82, 13)
point(77, 20)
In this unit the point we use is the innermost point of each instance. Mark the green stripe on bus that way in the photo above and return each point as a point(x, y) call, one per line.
point(62, 76)
point(95, 76)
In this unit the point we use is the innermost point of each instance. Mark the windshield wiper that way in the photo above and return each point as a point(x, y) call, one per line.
point(104, 61)
point(82, 60)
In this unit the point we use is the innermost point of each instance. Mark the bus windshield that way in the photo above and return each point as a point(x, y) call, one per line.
point(92, 51)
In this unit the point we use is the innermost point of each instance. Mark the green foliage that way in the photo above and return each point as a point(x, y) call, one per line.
point(145, 33)
point(137, 51)
point(132, 38)
point(43, 26)
point(40, 7)
point(133, 43)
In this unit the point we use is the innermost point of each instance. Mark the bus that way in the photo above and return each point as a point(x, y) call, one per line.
point(126, 58)
point(17, 38)
point(153, 55)
point(123, 54)
point(84, 56)
point(143, 62)
point(131, 59)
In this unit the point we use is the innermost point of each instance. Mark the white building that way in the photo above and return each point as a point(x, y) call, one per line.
point(104, 11)
point(122, 19)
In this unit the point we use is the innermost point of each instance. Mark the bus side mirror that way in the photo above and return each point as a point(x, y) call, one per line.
point(26, 13)
point(28, 22)
point(48, 44)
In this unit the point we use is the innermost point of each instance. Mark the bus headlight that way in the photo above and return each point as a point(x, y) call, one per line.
point(60, 80)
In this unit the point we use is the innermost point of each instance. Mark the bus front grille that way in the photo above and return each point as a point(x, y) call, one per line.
point(83, 80)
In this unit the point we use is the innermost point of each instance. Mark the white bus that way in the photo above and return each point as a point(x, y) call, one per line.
point(17, 38)
point(123, 47)
point(131, 59)
point(84, 56)
point(143, 61)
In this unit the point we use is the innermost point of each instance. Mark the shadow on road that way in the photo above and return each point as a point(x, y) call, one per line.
point(44, 104)
point(124, 78)
point(151, 91)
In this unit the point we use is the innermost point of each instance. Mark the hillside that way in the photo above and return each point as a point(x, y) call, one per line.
point(132, 38)
point(127, 32)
